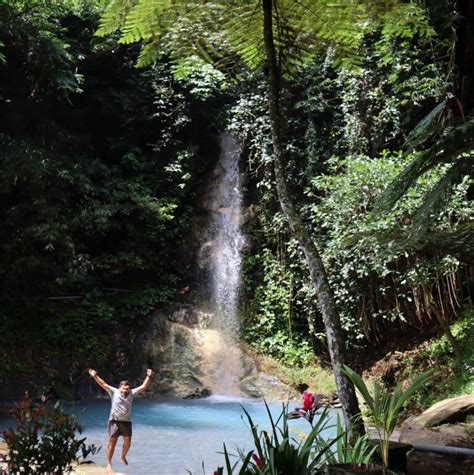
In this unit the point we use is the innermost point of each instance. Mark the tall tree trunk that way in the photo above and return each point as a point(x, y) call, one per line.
point(335, 337)
point(464, 52)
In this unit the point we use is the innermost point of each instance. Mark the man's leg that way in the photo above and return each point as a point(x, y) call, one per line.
point(110, 451)
point(127, 441)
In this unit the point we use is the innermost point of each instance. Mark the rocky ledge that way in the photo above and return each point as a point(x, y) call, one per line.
point(449, 422)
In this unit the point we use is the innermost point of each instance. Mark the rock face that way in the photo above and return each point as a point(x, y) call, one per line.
point(449, 422)
point(187, 356)
point(200, 349)
point(260, 385)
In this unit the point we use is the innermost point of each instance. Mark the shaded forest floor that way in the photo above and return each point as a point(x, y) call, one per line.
point(453, 375)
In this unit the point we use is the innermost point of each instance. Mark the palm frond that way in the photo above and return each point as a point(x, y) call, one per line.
point(426, 128)
point(449, 148)
point(438, 195)
point(457, 241)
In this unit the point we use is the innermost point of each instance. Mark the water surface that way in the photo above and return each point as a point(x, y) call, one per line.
point(171, 436)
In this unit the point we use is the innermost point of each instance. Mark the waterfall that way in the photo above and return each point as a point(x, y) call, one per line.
point(220, 257)
point(226, 233)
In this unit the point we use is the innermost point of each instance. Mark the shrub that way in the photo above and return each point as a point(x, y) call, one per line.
point(45, 439)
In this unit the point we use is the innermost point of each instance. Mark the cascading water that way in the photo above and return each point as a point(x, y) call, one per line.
point(225, 226)
point(221, 258)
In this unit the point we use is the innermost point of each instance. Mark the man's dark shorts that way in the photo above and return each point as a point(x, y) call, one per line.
point(122, 428)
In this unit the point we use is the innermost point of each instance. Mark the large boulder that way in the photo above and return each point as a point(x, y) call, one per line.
point(449, 422)
point(264, 385)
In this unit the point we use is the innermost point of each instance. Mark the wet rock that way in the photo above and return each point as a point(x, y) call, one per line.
point(188, 315)
point(198, 394)
point(448, 422)
point(205, 392)
point(264, 385)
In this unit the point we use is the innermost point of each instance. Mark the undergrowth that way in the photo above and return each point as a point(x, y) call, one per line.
point(319, 379)
point(453, 375)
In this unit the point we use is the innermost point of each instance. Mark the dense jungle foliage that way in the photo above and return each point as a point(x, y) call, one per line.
point(102, 164)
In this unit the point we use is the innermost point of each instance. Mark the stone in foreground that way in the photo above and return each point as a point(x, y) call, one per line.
point(449, 423)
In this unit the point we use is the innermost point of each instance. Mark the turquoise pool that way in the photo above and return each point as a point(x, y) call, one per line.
point(174, 437)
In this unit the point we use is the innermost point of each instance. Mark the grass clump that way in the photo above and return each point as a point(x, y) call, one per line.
point(320, 380)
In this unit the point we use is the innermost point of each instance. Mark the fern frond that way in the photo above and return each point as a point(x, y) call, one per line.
point(196, 36)
point(149, 53)
point(406, 21)
point(301, 29)
point(114, 16)
point(244, 31)
point(145, 20)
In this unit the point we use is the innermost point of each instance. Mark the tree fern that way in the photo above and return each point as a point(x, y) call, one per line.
point(226, 33)
point(115, 16)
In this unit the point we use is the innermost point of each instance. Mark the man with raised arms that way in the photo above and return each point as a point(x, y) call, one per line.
point(121, 407)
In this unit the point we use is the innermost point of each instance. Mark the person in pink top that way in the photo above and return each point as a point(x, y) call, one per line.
point(120, 423)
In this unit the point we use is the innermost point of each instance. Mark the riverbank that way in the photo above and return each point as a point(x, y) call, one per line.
point(82, 469)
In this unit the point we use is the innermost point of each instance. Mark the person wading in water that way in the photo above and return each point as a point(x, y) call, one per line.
point(119, 419)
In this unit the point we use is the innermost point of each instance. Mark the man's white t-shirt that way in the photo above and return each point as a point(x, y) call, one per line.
point(121, 406)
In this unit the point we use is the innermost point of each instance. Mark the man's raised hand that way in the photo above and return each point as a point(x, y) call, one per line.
point(93, 372)
point(149, 372)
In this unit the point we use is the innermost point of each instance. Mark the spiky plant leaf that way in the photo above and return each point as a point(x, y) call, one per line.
point(385, 407)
